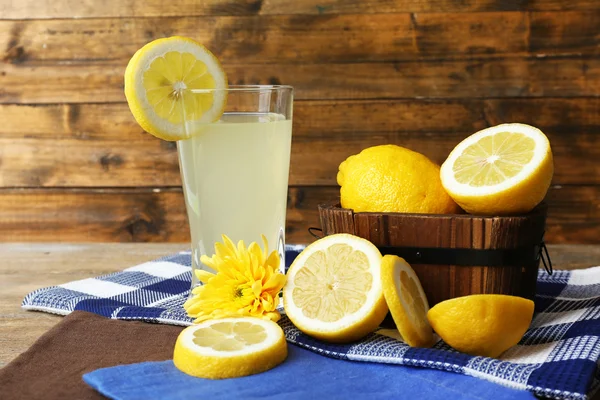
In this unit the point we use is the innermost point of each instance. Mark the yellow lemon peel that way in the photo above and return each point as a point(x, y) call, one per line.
point(482, 324)
point(505, 169)
point(230, 348)
point(390, 178)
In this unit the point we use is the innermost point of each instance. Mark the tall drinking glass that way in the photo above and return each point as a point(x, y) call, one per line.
point(235, 171)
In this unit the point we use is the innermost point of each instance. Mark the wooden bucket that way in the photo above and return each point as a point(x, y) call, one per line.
point(453, 255)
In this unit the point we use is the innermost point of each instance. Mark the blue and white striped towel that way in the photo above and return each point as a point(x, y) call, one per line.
point(558, 356)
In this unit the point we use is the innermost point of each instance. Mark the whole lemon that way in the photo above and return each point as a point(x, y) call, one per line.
point(390, 178)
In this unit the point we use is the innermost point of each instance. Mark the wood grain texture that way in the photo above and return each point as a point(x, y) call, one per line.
point(326, 118)
point(124, 215)
point(423, 74)
point(443, 279)
point(457, 231)
point(234, 40)
point(100, 145)
point(77, 82)
point(74, 163)
point(433, 6)
point(312, 39)
point(42, 9)
point(27, 267)
point(158, 215)
point(94, 215)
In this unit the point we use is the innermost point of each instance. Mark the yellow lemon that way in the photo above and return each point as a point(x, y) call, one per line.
point(505, 169)
point(230, 348)
point(173, 86)
point(333, 290)
point(482, 324)
point(390, 178)
point(407, 301)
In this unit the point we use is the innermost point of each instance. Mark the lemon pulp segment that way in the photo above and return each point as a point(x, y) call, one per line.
point(168, 83)
point(224, 336)
point(333, 283)
point(504, 169)
point(173, 86)
point(493, 159)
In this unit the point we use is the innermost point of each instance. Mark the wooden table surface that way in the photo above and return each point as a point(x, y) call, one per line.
point(25, 267)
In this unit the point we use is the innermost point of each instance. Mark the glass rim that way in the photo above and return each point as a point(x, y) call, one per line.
point(246, 88)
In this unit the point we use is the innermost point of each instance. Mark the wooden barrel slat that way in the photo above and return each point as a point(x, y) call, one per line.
point(390, 231)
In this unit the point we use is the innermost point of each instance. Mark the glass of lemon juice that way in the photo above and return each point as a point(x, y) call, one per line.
point(235, 170)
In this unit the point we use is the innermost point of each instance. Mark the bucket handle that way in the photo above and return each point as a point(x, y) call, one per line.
point(312, 231)
point(545, 256)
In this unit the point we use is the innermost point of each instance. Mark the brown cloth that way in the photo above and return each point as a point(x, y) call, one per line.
point(82, 342)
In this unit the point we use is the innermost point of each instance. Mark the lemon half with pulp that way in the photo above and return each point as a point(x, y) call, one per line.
point(230, 347)
point(505, 169)
point(173, 86)
point(333, 290)
point(482, 324)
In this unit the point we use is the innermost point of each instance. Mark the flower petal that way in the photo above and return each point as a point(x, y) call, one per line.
point(273, 261)
point(265, 243)
point(204, 276)
point(257, 288)
point(206, 260)
point(273, 316)
point(275, 284)
point(228, 243)
point(266, 304)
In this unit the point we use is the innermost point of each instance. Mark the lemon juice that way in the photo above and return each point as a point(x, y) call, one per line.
point(235, 180)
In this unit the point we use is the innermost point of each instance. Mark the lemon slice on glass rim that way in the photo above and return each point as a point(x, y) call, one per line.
point(174, 86)
point(230, 348)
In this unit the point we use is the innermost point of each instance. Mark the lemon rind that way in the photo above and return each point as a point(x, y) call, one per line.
point(391, 267)
point(135, 92)
point(541, 152)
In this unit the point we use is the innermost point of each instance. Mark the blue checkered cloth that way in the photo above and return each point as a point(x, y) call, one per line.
point(557, 357)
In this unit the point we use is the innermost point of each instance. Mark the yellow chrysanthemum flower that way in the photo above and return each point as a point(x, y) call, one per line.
point(247, 283)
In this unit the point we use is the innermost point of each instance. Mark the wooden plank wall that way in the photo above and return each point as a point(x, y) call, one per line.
point(420, 73)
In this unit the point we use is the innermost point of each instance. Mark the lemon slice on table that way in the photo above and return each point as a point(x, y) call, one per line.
point(230, 347)
point(333, 290)
point(483, 324)
point(407, 301)
point(504, 169)
point(163, 86)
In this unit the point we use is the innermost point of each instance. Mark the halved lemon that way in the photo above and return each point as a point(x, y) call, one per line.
point(333, 290)
point(173, 86)
point(505, 169)
point(482, 324)
point(230, 348)
point(407, 301)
